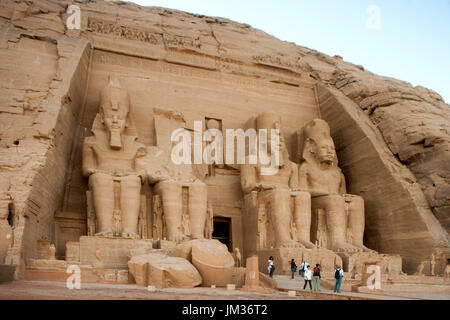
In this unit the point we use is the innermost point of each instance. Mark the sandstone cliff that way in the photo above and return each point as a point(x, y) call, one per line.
point(45, 75)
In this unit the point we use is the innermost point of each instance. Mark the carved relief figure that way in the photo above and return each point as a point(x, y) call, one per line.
point(142, 220)
point(110, 162)
point(52, 252)
point(276, 189)
point(90, 214)
point(209, 224)
point(157, 217)
point(262, 226)
point(433, 264)
point(419, 271)
point(237, 257)
point(320, 175)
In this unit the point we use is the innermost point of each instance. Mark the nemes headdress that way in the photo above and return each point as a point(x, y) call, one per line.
point(313, 132)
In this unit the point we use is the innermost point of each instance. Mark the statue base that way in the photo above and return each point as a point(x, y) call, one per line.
point(389, 264)
point(283, 256)
point(113, 253)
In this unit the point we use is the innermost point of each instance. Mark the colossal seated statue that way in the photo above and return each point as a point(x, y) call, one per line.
point(110, 161)
point(338, 217)
point(272, 196)
point(182, 196)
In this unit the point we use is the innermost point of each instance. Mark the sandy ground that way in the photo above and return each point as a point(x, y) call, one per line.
point(46, 290)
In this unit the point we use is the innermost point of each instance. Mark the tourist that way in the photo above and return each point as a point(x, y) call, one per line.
point(304, 266)
point(271, 266)
point(316, 278)
point(338, 275)
point(293, 268)
point(307, 277)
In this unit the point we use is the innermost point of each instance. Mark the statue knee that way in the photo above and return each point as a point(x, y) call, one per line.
point(131, 182)
point(355, 200)
point(100, 180)
point(335, 202)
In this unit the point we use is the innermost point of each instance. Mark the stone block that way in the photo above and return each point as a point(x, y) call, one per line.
point(112, 252)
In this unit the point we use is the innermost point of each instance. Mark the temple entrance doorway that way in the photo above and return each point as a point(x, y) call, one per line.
point(222, 231)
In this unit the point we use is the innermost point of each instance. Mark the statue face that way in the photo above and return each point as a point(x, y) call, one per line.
point(325, 151)
point(114, 112)
point(270, 122)
point(213, 124)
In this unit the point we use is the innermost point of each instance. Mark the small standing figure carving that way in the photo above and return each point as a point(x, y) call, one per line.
point(262, 226)
point(419, 271)
point(237, 255)
point(52, 252)
point(209, 221)
point(117, 223)
point(157, 217)
point(433, 264)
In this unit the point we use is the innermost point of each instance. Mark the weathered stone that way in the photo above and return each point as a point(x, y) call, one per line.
point(391, 138)
point(163, 271)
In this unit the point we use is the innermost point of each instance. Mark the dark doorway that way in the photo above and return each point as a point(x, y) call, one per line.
point(222, 231)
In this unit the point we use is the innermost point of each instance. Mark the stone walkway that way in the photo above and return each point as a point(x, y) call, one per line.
point(285, 283)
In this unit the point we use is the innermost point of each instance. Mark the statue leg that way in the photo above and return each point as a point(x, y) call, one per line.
point(356, 220)
point(334, 206)
point(302, 218)
point(171, 195)
point(130, 202)
point(280, 216)
point(102, 187)
point(197, 209)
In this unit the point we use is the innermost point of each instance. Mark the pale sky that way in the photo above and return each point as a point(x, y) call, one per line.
point(404, 39)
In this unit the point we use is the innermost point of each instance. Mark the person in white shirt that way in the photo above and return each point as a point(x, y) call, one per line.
point(304, 265)
point(307, 276)
point(271, 266)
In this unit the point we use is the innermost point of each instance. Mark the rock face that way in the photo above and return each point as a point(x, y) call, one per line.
point(162, 271)
point(392, 139)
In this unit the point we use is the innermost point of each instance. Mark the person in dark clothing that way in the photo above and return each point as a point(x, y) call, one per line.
point(316, 278)
point(293, 268)
point(271, 266)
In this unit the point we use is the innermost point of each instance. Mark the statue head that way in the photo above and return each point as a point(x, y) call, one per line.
point(212, 124)
point(316, 144)
point(114, 109)
point(270, 121)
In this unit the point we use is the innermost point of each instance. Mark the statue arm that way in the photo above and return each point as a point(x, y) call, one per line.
point(248, 178)
point(293, 179)
point(88, 159)
point(303, 177)
point(342, 186)
point(141, 153)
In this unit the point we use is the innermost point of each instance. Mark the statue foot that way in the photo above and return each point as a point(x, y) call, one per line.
point(130, 235)
point(291, 244)
point(106, 234)
point(364, 248)
point(177, 237)
point(307, 244)
point(345, 247)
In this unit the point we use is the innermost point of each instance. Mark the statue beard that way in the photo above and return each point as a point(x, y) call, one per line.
point(115, 139)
